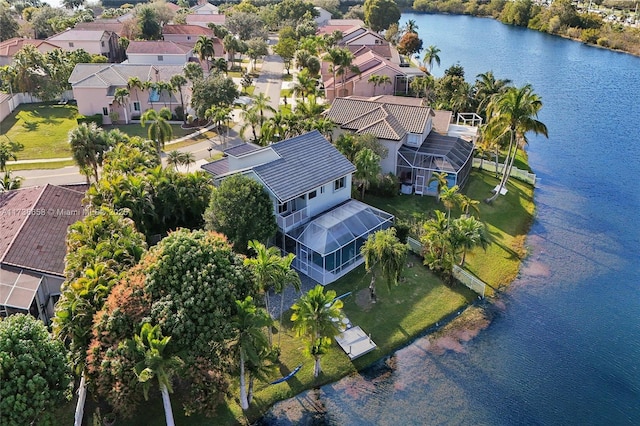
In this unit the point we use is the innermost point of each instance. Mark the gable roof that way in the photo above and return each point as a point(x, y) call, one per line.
point(304, 163)
point(185, 29)
point(385, 120)
point(11, 46)
point(74, 34)
point(369, 63)
point(383, 50)
point(205, 19)
point(34, 235)
point(157, 47)
point(101, 24)
point(108, 75)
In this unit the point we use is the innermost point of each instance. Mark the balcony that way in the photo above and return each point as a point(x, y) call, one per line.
point(288, 221)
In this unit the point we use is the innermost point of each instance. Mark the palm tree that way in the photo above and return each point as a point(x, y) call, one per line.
point(173, 159)
point(88, 145)
point(313, 316)
point(384, 252)
point(450, 198)
point(486, 87)
point(221, 65)
point(424, 86)
point(121, 97)
point(250, 117)
point(288, 277)
point(204, 49)
point(267, 269)
point(334, 56)
point(467, 203)
point(305, 84)
point(346, 65)
point(325, 126)
point(151, 345)
point(437, 250)
point(514, 113)
point(441, 179)
point(159, 130)
point(192, 71)
point(178, 81)
point(367, 165)
point(466, 234)
point(260, 104)
point(8, 152)
point(411, 27)
point(431, 56)
point(251, 342)
point(374, 78)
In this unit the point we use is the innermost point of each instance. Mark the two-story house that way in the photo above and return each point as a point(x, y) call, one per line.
point(309, 183)
point(95, 42)
point(158, 52)
point(417, 149)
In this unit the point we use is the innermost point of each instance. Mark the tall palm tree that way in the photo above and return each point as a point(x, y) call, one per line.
point(334, 56)
point(514, 113)
point(441, 179)
point(151, 345)
point(305, 84)
point(411, 27)
point(251, 342)
point(192, 71)
point(135, 84)
point(437, 249)
point(159, 130)
point(250, 118)
point(374, 78)
point(450, 198)
point(367, 165)
point(346, 65)
point(485, 88)
point(288, 277)
point(466, 203)
point(313, 316)
point(178, 81)
point(431, 56)
point(260, 104)
point(384, 252)
point(267, 269)
point(121, 97)
point(466, 234)
point(204, 49)
point(88, 145)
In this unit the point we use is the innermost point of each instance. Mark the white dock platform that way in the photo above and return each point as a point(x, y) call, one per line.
point(355, 342)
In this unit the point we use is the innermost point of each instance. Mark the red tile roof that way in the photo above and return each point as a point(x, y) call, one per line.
point(196, 30)
point(36, 232)
point(159, 47)
point(13, 45)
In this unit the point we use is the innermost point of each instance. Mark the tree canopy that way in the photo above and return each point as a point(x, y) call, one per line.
point(34, 372)
point(241, 209)
point(217, 89)
point(380, 14)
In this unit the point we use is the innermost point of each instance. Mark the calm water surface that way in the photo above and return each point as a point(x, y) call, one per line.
point(564, 344)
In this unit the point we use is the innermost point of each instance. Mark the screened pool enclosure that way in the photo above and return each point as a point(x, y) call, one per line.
point(328, 246)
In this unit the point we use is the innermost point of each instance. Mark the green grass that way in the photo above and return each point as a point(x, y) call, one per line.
point(41, 166)
point(42, 129)
point(249, 90)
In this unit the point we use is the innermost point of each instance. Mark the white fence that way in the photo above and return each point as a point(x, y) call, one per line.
point(490, 166)
point(471, 281)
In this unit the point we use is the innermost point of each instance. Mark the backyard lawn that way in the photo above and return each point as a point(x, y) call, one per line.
point(43, 130)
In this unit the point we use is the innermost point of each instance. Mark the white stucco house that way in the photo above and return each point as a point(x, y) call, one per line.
point(95, 42)
point(309, 183)
point(420, 141)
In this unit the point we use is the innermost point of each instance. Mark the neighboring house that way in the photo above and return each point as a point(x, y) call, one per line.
point(205, 8)
point(33, 230)
point(158, 53)
point(9, 48)
point(309, 183)
point(362, 37)
point(96, 42)
point(417, 149)
point(94, 86)
point(323, 16)
point(112, 25)
point(204, 20)
point(369, 63)
point(189, 34)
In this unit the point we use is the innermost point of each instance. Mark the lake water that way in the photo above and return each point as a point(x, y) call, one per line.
point(564, 343)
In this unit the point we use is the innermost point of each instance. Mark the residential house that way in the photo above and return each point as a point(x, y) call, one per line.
point(368, 63)
point(10, 47)
point(94, 86)
point(95, 42)
point(309, 183)
point(33, 231)
point(160, 52)
point(204, 20)
point(189, 34)
point(323, 16)
point(112, 25)
point(417, 149)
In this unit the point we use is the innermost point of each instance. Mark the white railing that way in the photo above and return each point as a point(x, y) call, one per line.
point(469, 119)
point(519, 174)
point(286, 222)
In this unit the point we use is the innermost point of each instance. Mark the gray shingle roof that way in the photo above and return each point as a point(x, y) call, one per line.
point(364, 116)
point(241, 149)
point(218, 167)
point(307, 162)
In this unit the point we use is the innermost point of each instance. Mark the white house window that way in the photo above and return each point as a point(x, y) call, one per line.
point(338, 184)
point(70, 44)
point(105, 111)
point(136, 106)
point(413, 139)
point(313, 194)
point(160, 58)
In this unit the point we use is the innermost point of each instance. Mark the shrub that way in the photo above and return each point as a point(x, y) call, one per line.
point(385, 186)
point(402, 232)
point(179, 113)
point(603, 41)
point(96, 118)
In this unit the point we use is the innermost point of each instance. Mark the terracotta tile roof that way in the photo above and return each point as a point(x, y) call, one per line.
point(441, 121)
point(195, 30)
point(205, 19)
point(159, 47)
point(368, 63)
point(395, 100)
point(73, 34)
point(329, 29)
point(13, 45)
point(383, 50)
point(114, 26)
point(108, 75)
point(12, 206)
point(385, 120)
point(38, 242)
